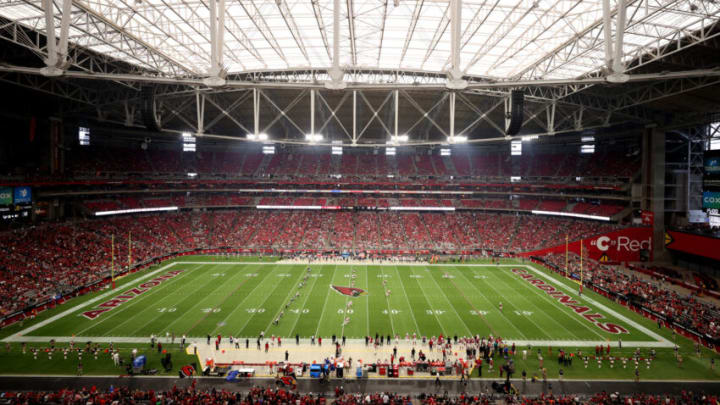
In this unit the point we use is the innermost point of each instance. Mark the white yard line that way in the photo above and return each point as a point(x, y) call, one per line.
point(262, 305)
point(658, 338)
point(243, 301)
point(387, 303)
point(367, 301)
point(287, 298)
point(470, 332)
point(307, 297)
point(491, 306)
point(417, 328)
point(428, 301)
point(322, 312)
point(16, 336)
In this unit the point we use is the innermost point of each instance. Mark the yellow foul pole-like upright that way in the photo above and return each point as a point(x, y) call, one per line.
point(581, 265)
point(129, 250)
point(112, 259)
point(567, 271)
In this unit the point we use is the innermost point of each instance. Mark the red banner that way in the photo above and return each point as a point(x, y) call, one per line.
point(648, 218)
point(624, 245)
point(699, 245)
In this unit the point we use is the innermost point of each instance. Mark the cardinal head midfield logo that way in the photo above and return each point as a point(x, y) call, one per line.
point(350, 291)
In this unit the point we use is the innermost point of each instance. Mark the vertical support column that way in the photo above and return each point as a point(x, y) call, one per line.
point(213, 38)
point(354, 118)
point(64, 31)
point(455, 19)
point(455, 75)
point(654, 185)
point(50, 33)
point(256, 111)
point(452, 114)
point(220, 34)
point(335, 73)
point(312, 112)
point(397, 102)
point(607, 34)
point(200, 109)
point(217, 30)
point(550, 115)
point(618, 66)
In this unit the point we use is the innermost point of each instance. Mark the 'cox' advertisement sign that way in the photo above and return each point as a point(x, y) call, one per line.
point(624, 245)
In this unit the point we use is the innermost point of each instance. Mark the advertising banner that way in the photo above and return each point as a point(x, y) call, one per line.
point(711, 200)
point(711, 163)
point(648, 217)
point(624, 245)
point(23, 195)
point(694, 244)
point(6, 196)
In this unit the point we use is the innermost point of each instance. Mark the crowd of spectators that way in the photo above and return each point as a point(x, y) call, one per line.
point(40, 262)
point(274, 395)
point(684, 309)
point(97, 160)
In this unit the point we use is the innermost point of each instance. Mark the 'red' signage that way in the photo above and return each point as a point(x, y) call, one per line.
point(624, 245)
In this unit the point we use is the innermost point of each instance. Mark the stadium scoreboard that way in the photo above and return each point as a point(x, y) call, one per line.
point(15, 202)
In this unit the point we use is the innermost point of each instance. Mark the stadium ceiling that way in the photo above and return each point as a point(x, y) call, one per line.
point(213, 61)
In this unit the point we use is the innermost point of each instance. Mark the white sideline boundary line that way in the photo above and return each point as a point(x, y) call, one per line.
point(19, 336)
point(306, 341)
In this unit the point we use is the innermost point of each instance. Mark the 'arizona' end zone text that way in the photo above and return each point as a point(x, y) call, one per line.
point(128, 295)
point(566, 300)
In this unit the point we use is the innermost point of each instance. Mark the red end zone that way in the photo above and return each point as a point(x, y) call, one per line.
point(129, 295)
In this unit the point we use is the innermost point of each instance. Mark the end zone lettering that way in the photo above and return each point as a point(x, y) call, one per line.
point(566, 300)
point(128, 295)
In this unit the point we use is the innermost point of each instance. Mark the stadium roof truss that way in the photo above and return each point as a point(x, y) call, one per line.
point(469, 52)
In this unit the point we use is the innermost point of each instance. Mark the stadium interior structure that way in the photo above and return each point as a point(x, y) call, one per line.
point(579, 136)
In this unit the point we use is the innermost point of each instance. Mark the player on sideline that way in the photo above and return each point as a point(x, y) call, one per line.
point(500, 306)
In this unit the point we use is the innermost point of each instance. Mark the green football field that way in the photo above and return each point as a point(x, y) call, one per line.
point(242, 299)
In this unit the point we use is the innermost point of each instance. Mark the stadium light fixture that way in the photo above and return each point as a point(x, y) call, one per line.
point(396, 139)
point(516, 148)
point(587, 139)
point(313, 137)
point(257, 137)
point(528, 138)
point(391, 151)
point(457, 139)
point(445, 152)
point(188, 142)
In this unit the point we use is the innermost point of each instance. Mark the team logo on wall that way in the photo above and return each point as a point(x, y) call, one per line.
point(349, 291)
